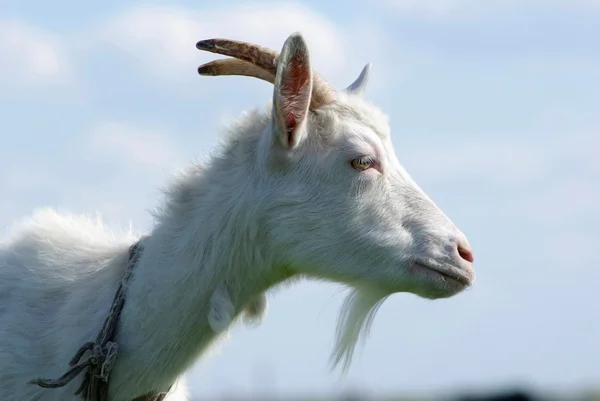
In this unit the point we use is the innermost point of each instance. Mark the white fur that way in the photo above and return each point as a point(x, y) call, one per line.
point(261, 212)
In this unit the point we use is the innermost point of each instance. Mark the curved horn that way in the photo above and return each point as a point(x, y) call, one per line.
point(233, 66)
point(264, 58)
point(260, 56)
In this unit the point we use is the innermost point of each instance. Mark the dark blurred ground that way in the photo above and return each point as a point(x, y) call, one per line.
point(508, 395)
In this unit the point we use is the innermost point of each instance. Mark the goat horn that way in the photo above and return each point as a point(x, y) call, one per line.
point(257, 55)
point(232, 66)
point(264, 58)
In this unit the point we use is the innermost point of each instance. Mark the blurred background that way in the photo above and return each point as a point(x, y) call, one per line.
point(495, 111)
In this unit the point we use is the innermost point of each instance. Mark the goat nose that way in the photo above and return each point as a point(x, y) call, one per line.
point(465, 252)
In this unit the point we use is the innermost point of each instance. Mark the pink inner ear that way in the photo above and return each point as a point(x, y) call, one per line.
point(294, 93)
point(290, 125)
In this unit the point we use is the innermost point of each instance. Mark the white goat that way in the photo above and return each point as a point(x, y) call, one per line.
point(311, 187)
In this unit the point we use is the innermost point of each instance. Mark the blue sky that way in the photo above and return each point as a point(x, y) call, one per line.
point(495, 111)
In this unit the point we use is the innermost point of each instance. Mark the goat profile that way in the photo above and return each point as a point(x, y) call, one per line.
point(308, 187)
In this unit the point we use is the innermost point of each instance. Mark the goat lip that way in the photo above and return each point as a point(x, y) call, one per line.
point(456, 276)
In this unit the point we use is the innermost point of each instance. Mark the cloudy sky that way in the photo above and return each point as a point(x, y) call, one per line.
point(495, 111)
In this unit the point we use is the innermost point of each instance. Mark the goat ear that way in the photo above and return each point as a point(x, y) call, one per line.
point(292, 92)
point(358, 86)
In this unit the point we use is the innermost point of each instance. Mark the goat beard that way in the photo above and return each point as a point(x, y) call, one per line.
point(354, 324)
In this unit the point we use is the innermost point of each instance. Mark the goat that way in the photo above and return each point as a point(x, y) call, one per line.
point(309, 187)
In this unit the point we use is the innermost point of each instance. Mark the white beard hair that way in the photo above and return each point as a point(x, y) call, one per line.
point(354, 323)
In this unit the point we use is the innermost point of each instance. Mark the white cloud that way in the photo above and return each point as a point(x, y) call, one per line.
point(161, 40)
point(443, 9)
point(429, 7)
point(164, 38)
point(508, 161)
point(116, 169)
point(547, 182)
point(126, 142)
point(31, 56)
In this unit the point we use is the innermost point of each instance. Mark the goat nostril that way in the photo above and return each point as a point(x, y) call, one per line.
point(465, 253)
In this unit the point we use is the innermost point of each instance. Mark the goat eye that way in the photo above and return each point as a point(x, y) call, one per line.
point(362, 163)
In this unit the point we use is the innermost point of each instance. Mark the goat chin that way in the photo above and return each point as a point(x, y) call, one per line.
point(354, 323)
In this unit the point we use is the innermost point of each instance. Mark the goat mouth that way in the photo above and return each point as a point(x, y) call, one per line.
point(453, 275)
